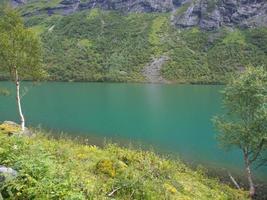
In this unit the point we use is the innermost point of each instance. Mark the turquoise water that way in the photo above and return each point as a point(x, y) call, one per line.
point(173, 119)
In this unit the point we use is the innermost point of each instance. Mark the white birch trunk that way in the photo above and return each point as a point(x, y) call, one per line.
point(249, 176)
point(22, 119)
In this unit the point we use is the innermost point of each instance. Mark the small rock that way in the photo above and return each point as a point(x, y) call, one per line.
point(12, 128)
point(10, 123)
point(8, 170)
point(7, 173)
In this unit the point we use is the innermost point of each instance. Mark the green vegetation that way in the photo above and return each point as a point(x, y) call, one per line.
point(20, 52)
point(258, 37)
point(97, 45)
point(157, 34)
point(66, 169)
point(182, 9)
point(245, 97)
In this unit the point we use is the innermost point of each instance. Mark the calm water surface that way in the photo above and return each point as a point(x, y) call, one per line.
point(173, 119)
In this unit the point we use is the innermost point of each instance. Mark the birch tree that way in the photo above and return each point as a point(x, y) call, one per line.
point(245, 124)
point(20, 53)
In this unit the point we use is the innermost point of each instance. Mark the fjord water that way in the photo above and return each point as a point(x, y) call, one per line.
point(173, 119)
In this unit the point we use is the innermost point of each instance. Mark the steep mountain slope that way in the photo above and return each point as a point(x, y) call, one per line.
point(212, 14)
point(115, 40)
point(70, 6)
point(207, 14)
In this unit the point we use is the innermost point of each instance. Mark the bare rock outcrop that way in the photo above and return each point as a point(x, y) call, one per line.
point(206, 14)
point(152, 72)
point(212, 14)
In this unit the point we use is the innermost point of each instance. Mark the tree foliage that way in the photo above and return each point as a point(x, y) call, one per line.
point(20, 53)
point(20, 48)
point(245, 124)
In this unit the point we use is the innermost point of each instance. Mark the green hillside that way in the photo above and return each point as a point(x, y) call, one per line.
point(66, 169)
point(101, 45)
point(97, 45)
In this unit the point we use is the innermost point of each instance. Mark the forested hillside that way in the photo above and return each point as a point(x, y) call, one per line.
point(97, 44)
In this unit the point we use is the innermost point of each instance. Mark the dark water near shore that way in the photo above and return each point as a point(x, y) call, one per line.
point(173, 119)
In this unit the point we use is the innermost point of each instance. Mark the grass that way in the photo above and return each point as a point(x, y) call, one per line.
point(62, 168)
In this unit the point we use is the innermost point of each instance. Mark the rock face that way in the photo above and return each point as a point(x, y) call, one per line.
point(206, 14)
point(212, 14)
point(130, 5)
point(69, 6)
point(16, 3)
point(8, 171)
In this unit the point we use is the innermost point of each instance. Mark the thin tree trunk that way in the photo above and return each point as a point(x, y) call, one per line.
point(22, 119)
point(234, 181)
point(249, 176)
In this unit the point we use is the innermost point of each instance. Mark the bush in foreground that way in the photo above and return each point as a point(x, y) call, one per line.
point(64, 169)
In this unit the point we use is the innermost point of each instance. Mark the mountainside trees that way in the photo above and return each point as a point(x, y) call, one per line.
point(98, 45)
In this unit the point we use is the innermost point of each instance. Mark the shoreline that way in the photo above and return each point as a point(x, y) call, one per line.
point(123, 82)
point(212, 172)
point(215, 171)
point(89, 166)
